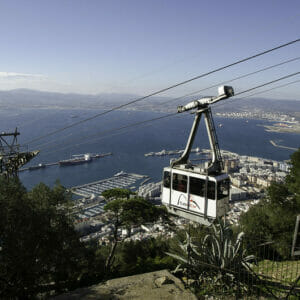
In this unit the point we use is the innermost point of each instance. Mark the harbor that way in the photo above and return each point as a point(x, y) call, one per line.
point(119, 180)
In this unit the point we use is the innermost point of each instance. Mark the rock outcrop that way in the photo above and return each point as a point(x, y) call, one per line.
point(148, 286)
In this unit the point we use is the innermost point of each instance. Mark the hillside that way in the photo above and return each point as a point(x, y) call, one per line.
point(23, 98)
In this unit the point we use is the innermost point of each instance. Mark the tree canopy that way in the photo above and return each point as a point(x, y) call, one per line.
point(273, 218)
point(116, 193)
point(126, 212)
point(39, 248)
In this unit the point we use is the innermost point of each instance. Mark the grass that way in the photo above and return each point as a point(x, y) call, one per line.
point(279, 271)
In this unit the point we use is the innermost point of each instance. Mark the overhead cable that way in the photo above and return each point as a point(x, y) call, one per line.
point(264, 91)
point(207, 88)
point(234, 79)
point(267, 83)
point(104, 133)
point(257, 93)
point(163, 90)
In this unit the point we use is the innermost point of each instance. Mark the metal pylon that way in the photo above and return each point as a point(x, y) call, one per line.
point(11, 155)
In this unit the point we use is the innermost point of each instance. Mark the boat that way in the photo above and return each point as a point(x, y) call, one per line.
point(121, 173)
point(78, 159)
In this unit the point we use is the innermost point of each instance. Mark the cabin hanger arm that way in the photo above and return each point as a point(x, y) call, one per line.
point(202, 106)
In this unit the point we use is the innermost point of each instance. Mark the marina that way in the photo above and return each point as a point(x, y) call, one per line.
point(119, 180)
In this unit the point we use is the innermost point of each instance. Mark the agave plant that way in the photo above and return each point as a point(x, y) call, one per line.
point(221, 251)
point(216, 258)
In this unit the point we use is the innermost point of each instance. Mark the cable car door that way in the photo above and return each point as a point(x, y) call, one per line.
point(179, 195)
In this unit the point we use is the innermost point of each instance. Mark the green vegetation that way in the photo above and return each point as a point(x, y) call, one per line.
point(215, 261)
point(40, 251)
point(285, 271)
point(116, 193)
point(273, 218)
point(126, 211)
point(137, 257)
point(41, 254)
point(39, 248)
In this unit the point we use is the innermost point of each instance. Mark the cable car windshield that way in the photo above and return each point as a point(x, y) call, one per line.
point(167, 180)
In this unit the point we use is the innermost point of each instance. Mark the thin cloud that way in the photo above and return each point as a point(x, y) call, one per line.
point(13, 75)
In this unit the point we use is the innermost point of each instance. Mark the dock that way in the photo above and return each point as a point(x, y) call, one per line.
point(93, 156)
point(120, 180)
point(281, 146)
point(46, 165)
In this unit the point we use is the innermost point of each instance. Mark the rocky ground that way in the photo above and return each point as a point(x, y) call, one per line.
point(149, 286)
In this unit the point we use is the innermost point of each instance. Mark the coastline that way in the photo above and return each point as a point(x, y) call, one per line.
point(280, 129)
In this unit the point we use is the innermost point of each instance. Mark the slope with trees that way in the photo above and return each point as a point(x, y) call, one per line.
point(125, 212)
point(273, 218)
point(39, 248)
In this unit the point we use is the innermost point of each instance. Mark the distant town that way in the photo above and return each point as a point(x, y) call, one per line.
point(259, 115)
point(286, 123)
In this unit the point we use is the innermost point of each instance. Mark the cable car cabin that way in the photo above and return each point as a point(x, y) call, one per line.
point(195, 193)
point(195, 196)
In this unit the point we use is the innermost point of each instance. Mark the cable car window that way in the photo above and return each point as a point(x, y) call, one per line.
point(211, 190)
point(167, 179)
point(197, 186)
point(179, 182)
point(223, 189)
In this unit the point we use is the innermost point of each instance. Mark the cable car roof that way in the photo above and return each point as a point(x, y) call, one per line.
point(195, 172)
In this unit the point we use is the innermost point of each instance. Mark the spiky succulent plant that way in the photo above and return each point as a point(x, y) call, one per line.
point(217, 258)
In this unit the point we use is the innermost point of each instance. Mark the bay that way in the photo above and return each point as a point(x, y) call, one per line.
point(246, 137)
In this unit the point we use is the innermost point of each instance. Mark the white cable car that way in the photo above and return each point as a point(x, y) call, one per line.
point(199, 193)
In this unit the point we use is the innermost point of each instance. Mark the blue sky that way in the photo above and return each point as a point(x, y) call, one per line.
point(140, 46)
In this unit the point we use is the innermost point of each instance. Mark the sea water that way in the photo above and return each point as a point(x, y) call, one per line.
point(245, 137)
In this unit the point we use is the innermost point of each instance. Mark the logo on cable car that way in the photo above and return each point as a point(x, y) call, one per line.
point(193, 203)
point(182, 201)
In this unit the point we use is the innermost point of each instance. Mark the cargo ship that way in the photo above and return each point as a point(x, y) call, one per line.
point(81, 159)
point(78, 159)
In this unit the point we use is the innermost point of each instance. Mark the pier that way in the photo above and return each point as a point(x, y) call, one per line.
point(37, 167)
point(283, 147)
point(45, 165)
point(120, 180)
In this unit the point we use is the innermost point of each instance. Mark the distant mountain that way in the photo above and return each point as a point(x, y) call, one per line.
point(24, 98)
